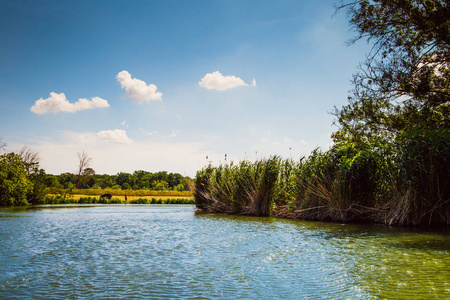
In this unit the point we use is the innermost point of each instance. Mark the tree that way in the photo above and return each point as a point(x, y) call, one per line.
point(405, 80)
point(123, 178)
point(14, 182)
point(160, 185)
point(2, 144)
point(37, 176)
point(84, 161)
point(30, 159)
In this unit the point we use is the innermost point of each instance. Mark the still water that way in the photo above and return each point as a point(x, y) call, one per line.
point(171, 252)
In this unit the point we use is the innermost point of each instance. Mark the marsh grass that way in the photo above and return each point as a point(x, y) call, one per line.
point(406, 183)
point(245, 188)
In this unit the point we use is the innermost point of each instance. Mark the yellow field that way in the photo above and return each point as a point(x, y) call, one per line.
point(133, 193)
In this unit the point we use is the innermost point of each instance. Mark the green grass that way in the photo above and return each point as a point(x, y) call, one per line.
point(97, 200)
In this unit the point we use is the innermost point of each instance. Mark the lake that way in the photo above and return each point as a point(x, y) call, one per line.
point(172, 252)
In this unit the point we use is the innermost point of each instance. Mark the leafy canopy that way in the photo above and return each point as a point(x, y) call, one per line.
point(405, 79)
point(14, 182)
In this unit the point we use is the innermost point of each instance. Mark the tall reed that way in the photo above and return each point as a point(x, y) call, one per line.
point(245, 188)
point(406, 182)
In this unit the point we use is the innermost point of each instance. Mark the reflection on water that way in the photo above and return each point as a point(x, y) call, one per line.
point(148, 251)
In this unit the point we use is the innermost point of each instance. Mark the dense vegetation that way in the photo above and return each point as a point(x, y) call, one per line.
point(23, 182)
point(138, 180)
point(97, 200)
point(390, 159)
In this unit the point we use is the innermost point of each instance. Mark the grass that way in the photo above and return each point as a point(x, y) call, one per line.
point(131, 193)
point(94, 200)
point(129, 198)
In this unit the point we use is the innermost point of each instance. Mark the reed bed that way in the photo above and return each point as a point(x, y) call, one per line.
point(406, 183)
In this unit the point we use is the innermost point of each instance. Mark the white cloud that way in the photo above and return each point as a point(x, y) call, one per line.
point(137, 89)
point(114, 136)
point(58, 103)
point(117, 136)
point(216, 81)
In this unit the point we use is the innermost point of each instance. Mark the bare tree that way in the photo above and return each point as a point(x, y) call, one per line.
point(30, 158)
point(2, 144)
point(84, 161)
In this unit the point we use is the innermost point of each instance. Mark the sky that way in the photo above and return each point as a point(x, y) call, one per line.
point(171, 85)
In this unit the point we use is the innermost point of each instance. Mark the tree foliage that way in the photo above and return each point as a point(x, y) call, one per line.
point(14, 182)
point(405, 80)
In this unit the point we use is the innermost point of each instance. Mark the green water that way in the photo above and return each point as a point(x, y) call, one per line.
point(172, 252)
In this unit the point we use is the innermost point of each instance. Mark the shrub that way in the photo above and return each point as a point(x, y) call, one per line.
point(14, 182)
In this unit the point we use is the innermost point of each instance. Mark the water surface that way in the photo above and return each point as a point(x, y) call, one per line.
point(171, 252)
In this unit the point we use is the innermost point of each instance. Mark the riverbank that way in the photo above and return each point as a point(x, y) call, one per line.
point(83, 199)
point(132, 193)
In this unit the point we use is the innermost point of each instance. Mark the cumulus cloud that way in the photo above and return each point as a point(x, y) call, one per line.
point(216, 81)
point(58, 103)
point(117, 136)
point(137, 89)
point(114, 136)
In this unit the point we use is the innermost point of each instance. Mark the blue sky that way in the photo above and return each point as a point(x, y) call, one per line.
point(161, 85)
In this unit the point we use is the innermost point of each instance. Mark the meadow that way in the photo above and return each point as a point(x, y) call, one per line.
point(92, 196)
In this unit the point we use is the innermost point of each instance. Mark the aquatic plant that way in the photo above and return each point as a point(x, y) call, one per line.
point(245, 188)
point(406, 182)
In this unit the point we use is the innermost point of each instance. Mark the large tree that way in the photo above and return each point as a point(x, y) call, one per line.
point(36, 175)
point(405, 79)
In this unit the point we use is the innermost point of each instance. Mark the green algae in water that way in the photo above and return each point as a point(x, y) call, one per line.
point(170, 252)
point(407, 266)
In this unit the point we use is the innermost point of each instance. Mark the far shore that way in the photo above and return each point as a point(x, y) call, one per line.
point(122, 197)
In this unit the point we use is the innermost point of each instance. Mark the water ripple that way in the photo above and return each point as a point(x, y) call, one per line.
point(170, 252)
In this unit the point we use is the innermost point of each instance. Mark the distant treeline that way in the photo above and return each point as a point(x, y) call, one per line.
point(138, 180)
point(22, 182)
